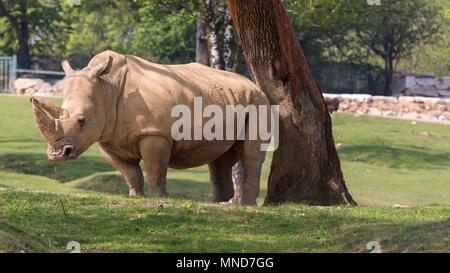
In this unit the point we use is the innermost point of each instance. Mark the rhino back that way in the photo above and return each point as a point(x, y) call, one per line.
point(152, 90)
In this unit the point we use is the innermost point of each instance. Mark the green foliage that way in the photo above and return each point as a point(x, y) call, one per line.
point(330, 31)
point(45, 22)
point(130, 28)
point(370, 38)
point(434, 56)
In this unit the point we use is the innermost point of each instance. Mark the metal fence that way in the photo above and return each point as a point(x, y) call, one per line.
point(9, 72)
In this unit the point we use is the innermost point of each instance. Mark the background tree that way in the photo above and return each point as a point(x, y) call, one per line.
point(28, 24)
point(370, 39)
point(389, 31)
point(434, 55)
point(306, 166)
point(132, 27)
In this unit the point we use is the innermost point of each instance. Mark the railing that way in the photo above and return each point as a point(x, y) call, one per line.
point(9, 71)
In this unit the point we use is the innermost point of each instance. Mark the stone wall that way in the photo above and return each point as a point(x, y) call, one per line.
point(38, 87)
point(423, 108)
point(425, 85)
point(414, 107)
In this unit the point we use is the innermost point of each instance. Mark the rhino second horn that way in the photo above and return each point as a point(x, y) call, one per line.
point(66, 67)
point(44, 123)
point(54, 110)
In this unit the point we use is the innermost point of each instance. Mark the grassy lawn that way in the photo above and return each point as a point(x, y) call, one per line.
point(385, 162)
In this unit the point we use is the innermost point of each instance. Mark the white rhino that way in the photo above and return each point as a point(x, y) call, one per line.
point(124, 103)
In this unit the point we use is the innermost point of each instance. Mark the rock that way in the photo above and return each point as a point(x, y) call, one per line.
point(444, 80)
point(426, 82)
point(435, 113)
point(374, 112)
point(385, 99)
point(444, 116)
point(424, 91)
point(388, 113)
point(441, 87)
point(427, 75)
point(58, 85)
point(411, 115)
point(343, 106)
point(38, 87)
point(332, 104)
point(21, 85)
point(45, 88)
point(410, 107)
point(402, 84)
point(445, 94)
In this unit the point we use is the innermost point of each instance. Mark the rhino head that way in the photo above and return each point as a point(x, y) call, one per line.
point(73, 128)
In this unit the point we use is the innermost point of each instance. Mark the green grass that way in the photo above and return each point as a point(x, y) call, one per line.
point(384, 162)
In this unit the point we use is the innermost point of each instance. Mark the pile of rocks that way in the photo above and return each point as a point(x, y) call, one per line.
point(402, 107)
point(425, 85)
point(38, 87)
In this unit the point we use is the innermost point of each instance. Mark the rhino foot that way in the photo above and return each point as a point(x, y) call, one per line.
point(133, 193)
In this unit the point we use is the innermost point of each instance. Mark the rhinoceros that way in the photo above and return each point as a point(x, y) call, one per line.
point(124, 103)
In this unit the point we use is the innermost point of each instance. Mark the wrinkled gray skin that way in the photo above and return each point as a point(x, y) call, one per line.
point(124, 103)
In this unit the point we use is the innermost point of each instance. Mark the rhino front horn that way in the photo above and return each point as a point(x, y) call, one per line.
point(44, 123)
point(53, 109)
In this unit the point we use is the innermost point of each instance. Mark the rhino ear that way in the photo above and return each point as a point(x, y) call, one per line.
point(66, 66)
point(100, 69)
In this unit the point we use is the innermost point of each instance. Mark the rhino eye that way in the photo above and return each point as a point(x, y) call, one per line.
point(81, 121)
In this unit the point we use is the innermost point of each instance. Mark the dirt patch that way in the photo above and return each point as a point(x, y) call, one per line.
point(144, 205)
point(430, 134)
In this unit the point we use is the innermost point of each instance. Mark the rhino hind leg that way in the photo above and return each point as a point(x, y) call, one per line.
point(252, 159)
point(220, 176)
point(130, 171)
point(155, 152)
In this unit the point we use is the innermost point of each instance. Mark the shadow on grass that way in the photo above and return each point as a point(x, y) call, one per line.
point(411, 158)
point(115, 184)
point(38, 164)
point(21, 140)
point(404, 237)
point(13, 239)
point(103, 226)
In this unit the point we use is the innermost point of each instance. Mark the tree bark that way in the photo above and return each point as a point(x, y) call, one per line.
point(228, 39)
point(389, 71)
point(201, 46)
point(306, 166)
point(213, 35)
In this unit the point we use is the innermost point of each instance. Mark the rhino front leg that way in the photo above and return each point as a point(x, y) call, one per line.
point(130, 171)
point(155, 151)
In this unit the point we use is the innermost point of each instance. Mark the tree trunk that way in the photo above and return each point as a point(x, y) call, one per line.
point(306, 166)
point(201, 47)
point(388, 69)
point(24, 49)
point(213, 35)
point(228, 39)
point(24, 38)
